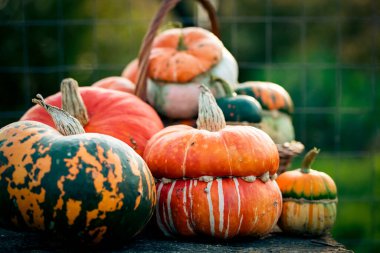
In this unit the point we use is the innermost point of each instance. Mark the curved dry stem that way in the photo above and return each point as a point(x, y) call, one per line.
point(210, 116)
point(64, 122)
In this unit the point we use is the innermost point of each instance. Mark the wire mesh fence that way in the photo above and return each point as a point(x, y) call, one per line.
point(325, 53)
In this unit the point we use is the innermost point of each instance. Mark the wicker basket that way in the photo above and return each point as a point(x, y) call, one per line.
point(286, 150)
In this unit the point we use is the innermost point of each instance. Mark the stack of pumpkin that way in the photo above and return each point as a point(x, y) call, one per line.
point(91, 179)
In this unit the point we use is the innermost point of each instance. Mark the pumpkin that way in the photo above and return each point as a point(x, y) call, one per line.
point(131, 71)
point(118, 114)
point(215, 180)
point(181, 59)
point(87, 187)
point(277, 108)
point(116, 83)
point(180, 54)
point(310, 199)
point(237, 108)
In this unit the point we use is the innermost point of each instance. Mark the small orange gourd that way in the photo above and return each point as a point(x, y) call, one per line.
point(309, 199)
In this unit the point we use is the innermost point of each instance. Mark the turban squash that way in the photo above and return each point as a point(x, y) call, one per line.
point(180, 60)
point(118, 114)
point(88, 187)
point(277, 108)
point(310, 199)
point(216, 180)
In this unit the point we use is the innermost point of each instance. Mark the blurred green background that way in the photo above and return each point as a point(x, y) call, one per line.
point(326, 53)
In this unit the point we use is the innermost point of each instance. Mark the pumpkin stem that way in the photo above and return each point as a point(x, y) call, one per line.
point(308, 160)
point(72, 101)
point(215, 80)
point(64, 122)
point(181, 43)
point(210, 116)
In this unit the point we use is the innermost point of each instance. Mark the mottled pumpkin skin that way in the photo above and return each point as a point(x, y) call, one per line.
point(90, 188)
point(118, 114)
point(222, 208)
point(182, 151)
point(116, 83)
point(310, 201)
point(270, 95)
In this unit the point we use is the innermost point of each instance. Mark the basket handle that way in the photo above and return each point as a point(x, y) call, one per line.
point(146, 46)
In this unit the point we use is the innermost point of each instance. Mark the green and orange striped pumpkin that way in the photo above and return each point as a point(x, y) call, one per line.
point(310, 199)
point(88, 187)
point(215, 180)
point(277, 108)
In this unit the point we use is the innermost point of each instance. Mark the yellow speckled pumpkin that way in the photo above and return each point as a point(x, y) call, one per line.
point(309, 199)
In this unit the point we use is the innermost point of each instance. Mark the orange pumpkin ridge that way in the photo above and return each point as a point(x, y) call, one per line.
point(122, 115)
point(208, 177)
point(200, 51)
point(220, 208)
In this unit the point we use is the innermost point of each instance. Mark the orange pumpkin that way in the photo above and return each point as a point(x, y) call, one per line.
point(181, 60)
point(179, 55)
point(116, 83)
point(131, 71)
point(118, 114)
point(310, 199)
point(208, 176)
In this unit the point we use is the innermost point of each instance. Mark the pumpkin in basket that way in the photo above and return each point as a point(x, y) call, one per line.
point(118, 114)
point(310, 199)
point(116, 83)
point(180, 60)
point(215, 180)
point(87, 187)
point(277, 108)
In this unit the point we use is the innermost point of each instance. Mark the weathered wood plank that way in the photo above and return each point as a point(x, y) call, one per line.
point(11, 241)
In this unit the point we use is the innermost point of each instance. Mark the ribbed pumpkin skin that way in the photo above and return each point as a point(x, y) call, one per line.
point(118, 114)
point(222, 208)
point(131, 71)
point(270, 95)
point(89, 187)
point(168, 63)
point(182, 151)
point(180, 100)
point(310, 199)
point(116, 83)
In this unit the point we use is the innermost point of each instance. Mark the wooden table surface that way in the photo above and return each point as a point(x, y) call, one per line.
point(11, 241)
